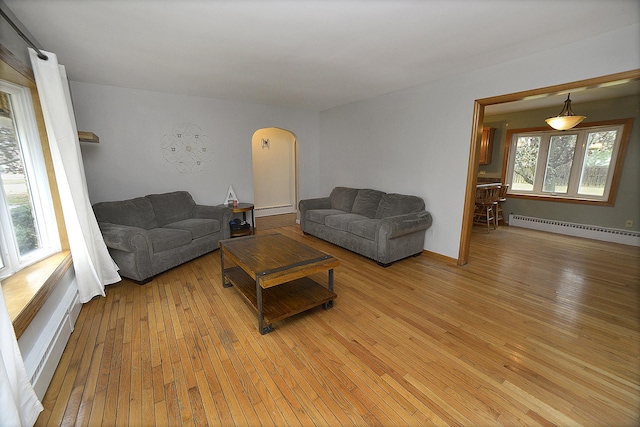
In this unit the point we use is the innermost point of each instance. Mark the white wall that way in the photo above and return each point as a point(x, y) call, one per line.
point(11, 40)
point(129, 162)
point(417, 141)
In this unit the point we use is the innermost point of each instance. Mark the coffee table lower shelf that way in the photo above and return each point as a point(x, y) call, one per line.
point(281, 301)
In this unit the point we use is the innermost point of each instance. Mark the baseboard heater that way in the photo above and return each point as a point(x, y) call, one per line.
point(626, 237)
point(273, 210)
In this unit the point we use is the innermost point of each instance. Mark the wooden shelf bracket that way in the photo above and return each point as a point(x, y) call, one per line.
point(88, 137)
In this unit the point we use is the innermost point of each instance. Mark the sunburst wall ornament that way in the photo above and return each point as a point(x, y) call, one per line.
point(187, 148)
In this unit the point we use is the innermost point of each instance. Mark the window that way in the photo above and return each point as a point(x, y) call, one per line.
point(28, 231)
point(581, 164)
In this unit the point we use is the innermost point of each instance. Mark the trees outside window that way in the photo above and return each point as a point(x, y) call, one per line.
point(600, 147)
point(526, 160)
point(579, 164)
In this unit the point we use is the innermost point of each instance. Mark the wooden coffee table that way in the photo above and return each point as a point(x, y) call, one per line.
point(271, 272)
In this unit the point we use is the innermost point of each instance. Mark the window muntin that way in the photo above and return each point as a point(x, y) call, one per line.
point(578, 164)
point(28, 231)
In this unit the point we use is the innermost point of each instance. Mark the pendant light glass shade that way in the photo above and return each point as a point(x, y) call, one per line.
point(566, 119)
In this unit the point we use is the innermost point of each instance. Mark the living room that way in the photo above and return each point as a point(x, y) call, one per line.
point(414, 140)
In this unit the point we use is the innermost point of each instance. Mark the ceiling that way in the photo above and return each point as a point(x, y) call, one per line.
point(300, 53)
point(610, 90)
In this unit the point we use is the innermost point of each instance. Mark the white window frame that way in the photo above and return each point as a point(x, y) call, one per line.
point(35, 169)
point(623, 128)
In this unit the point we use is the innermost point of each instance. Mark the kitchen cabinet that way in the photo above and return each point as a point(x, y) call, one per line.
point(486, 145)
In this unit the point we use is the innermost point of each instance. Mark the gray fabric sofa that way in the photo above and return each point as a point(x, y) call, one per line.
point(385, 227)
point(148, 235)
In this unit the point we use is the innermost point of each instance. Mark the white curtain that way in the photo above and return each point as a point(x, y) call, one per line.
point(19, 405)
point(93, 266)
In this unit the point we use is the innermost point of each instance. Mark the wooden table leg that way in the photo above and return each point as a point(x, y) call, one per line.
point(327, 305)
point(225, 284)
point(253, 222)
point(262, 328)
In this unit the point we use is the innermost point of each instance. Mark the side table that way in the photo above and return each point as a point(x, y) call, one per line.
point(244, 208)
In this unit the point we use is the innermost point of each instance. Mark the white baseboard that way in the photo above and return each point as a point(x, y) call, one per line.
point(273, 210)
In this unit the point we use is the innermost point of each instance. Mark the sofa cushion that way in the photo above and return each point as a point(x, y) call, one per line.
point(342, 198)
point(319, 215)
point(366, 202)
point(366, 228)
point(393, 204)
point(341, 221)
point(172, 207)
point(197, 226)
point(163, 239)
point(136, 212)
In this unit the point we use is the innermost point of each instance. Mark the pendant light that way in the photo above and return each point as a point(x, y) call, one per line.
point(566, 119)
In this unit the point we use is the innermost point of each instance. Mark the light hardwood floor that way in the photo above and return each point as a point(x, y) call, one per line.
point(538, 329)
point(275, 221)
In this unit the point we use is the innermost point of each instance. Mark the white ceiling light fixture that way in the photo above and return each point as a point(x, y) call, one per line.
point(566, 119)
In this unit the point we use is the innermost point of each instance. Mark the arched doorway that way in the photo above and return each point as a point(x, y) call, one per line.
point(274, 154)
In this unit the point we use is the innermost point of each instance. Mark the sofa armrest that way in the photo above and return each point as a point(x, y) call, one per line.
point(222, 213)
point(319, 203)
point(310, 204)
point(130, 248)
point(399, 225)
point(125, 238)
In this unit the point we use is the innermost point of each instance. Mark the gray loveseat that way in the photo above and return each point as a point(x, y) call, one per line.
point(385, 227)
point(148, 235)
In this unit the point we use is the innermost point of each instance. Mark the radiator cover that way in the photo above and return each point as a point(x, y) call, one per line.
point(626, 237)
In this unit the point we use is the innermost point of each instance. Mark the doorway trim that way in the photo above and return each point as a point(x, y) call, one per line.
point(476, 136)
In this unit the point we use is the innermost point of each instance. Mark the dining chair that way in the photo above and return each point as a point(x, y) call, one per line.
point(486, 202)
point(502, 197)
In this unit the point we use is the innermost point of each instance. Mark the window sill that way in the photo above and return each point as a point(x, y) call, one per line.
point(562, 199)
point(26, 291)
